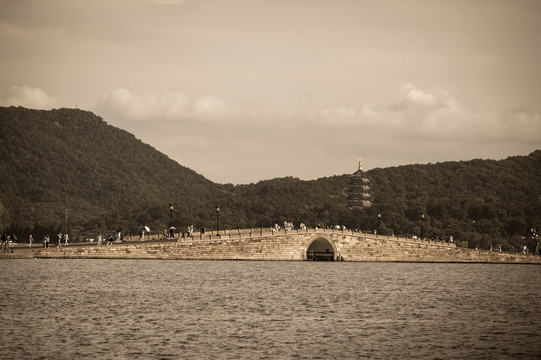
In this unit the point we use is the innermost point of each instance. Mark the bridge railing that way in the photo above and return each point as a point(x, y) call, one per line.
point(254, 232)
point(266, 232)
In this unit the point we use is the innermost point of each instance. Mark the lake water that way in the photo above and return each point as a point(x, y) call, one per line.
point(119, 309)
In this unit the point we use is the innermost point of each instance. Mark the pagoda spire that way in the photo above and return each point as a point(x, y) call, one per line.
point(360, 163)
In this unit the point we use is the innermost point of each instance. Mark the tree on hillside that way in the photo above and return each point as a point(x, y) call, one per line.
point(108, 179)
point(4, 218)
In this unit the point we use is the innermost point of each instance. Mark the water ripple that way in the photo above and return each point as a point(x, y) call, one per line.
point(66, 309)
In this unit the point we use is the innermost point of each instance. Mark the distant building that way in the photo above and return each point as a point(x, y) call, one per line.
point(359, 189)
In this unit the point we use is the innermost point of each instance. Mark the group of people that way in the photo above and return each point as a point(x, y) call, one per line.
point(109, 240)
point(47, 239)
point(169, 234)
point(288, 226)
point(189, 230)
point(8, 242)
point(448, 238)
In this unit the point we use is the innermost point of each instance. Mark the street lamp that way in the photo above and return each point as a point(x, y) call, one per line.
point(535, 238)
point(422, 226)
point(217, 220)
point(171, 216)
point(379, 221)
point(67, 220)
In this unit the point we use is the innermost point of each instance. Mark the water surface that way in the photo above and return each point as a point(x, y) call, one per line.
point(117, 309)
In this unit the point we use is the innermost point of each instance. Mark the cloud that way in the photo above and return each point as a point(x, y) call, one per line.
point(169, 106)
point(340, 116)
point(431, 114)
point(408, 97)
point(411, 125)
point(29, 97)
point(521, 125)
point(209, 106)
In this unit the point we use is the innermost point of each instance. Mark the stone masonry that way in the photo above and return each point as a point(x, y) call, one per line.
point(293, 245)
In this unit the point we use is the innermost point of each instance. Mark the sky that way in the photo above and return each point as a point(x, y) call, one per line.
point(248, 90)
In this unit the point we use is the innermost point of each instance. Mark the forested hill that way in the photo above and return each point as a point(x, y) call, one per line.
point(479, 202)
point(71, 159)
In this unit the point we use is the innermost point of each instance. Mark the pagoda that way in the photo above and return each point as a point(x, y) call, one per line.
point(359, 189)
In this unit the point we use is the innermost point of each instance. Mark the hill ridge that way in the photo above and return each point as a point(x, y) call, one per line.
point(51, 154)
point(70, 159)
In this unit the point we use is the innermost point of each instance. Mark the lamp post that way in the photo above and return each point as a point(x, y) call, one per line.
point(535, 238)
point(67, 220)
point(379, 221)
point(217, 220)
point(422, 226)
point(171, 216)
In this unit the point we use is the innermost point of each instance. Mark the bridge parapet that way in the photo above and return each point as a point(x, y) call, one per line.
point(267, 232)
point(249, 244)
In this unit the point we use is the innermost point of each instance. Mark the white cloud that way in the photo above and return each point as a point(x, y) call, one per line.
point(431, 112)
point(411, 125)
point(169, 106)
point(409, 97)
point(29, 97)
point(210, 106)
point(521, 124)
point(434, 113)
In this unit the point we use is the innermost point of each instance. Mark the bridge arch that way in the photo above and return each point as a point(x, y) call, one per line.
point(320, 248)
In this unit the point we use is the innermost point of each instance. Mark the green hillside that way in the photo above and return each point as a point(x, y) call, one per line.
point(479, 202)
point(72, 159)
point(107, 179)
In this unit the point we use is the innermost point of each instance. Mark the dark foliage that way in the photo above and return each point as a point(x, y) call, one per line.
point(106, 179)
point(71, 159)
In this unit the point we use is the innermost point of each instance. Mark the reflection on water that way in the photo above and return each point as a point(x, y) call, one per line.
point(267, 310)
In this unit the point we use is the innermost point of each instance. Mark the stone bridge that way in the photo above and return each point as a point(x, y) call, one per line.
point(309, 244)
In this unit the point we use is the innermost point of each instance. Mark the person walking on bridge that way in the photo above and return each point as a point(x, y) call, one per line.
point(12, 242)
point(4, 242)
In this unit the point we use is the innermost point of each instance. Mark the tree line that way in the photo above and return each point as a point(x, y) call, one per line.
point(72, 161)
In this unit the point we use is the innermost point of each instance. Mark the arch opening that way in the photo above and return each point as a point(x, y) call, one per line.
point(320, 250)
